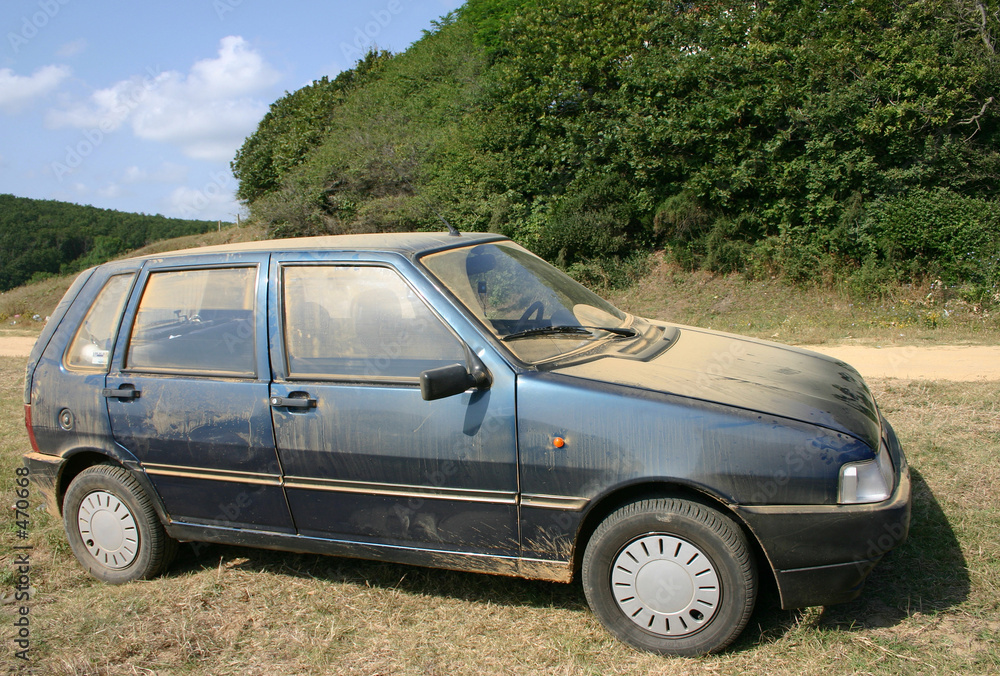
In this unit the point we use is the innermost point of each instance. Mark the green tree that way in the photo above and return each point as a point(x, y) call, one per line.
point(294, 125)
point(771, 135)
point(45, 237)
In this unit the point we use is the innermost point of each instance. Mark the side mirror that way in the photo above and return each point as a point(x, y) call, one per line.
point(447, 381)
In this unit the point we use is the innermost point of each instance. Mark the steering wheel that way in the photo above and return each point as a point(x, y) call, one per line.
point(537, 308)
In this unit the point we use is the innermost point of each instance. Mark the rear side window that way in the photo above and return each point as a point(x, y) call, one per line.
point(199, 322)
point(90, 349)
point(360, 322)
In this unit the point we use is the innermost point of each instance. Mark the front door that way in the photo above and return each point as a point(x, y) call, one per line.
point(365, 458)
point(188, 392)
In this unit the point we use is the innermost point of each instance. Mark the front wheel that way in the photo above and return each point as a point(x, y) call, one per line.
point(670, 576)
point(112, 527)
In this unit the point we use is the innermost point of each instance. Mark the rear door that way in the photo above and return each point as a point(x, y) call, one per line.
point(365, 458)
point(188, 391)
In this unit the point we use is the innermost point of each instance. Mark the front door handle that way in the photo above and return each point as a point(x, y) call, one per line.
point(293, 402)
point(123, 392)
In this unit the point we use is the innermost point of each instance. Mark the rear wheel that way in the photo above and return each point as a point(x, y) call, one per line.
point(112, 528)
point(670, 576)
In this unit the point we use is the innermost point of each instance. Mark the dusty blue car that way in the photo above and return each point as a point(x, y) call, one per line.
point(454, 401)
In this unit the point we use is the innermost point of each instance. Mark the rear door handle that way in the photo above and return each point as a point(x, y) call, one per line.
point(123, 392)
point(293, 402)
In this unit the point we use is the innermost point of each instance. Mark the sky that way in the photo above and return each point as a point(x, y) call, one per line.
point(141, 106)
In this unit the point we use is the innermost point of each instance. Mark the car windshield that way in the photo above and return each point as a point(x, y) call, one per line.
point(538, 311)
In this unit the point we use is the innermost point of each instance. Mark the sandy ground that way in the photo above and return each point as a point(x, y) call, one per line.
point(16, 346)
point(968, 363)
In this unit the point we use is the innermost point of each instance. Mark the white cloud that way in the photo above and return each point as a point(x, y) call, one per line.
point(134, 174)
point(107, 109)
point(18, 91)
point(206, 113)
point(110, 191)
point(215, 199)
point(212, 130)
point(202, 204)
point(72, 48)
point(168, 172)
point(237, 71)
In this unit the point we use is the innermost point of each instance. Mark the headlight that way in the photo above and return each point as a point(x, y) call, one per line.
point(867, 481)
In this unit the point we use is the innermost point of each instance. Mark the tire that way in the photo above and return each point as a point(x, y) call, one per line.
point(670, 576)
point(112, 528)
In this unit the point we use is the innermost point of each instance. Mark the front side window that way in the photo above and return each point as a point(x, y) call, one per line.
point(366, 322)
point(199, 322)
point(90, 349)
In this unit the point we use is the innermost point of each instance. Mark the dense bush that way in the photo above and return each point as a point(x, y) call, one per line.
point(804, 138)
point(294, 125)
point(939, 233)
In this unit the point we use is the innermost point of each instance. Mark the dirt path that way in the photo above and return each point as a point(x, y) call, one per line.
point(16, 346)
point(943, 362)
point(967, 363)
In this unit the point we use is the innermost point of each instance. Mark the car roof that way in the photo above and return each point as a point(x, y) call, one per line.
point(410, 243)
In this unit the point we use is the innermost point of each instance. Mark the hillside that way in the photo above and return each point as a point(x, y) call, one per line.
point(45, 237)
point(19, 306)
point(815, 141)
point(928, 314)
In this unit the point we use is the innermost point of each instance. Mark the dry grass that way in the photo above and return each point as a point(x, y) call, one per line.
point(933, 606)
point(18, 306)
point(775, 310)
point(247, 233)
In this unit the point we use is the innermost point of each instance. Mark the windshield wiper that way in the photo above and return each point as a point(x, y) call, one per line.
point(552, 330)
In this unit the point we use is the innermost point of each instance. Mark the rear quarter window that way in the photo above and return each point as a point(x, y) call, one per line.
point(90, 348)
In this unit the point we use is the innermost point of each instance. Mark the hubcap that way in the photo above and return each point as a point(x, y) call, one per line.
point(108, 530)
point(665, 585)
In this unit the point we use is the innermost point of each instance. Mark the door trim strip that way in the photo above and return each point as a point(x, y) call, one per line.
point(234, 476)
point(401, 490)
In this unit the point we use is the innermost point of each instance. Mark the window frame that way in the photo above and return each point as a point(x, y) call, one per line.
point(360, 379)
point(134, 307)
point(115, 324)
point(511, 357)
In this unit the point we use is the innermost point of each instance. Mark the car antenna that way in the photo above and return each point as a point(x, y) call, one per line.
point(452, 230)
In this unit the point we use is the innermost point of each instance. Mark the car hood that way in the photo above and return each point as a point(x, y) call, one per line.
point(750, 374)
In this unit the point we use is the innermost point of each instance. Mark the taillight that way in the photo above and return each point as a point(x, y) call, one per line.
point(30, 428)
